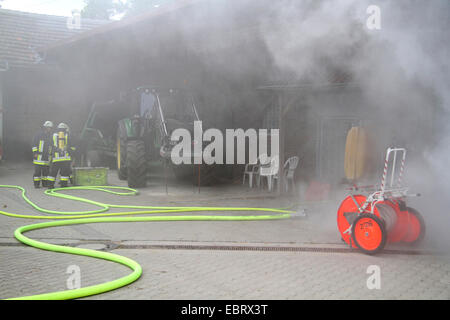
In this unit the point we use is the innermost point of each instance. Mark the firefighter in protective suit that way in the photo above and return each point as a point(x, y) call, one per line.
point(62, 155)
point(42, 146)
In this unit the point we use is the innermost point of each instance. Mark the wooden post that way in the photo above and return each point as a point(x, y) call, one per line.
point(199, 172)
point(165, 175)
point(282, 143)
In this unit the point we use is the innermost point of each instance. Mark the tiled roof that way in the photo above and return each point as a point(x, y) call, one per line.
point(21, 33)
point(127, 22)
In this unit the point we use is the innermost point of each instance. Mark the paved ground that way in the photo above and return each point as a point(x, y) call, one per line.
point(299, 258)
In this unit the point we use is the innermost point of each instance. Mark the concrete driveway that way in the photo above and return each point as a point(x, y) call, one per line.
point(297, 258)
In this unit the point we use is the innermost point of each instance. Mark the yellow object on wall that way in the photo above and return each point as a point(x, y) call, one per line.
point(356, 153)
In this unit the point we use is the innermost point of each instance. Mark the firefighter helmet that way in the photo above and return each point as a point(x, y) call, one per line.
point(62, 125)
point(48, 124)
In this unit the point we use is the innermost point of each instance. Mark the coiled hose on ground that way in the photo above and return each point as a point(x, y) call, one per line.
point(62, 218)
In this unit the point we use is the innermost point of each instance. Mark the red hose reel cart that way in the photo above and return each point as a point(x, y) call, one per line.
point(369, 217)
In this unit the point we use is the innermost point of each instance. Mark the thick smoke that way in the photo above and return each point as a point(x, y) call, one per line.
point(424, 51)
point(226, 48)
point(402, 70)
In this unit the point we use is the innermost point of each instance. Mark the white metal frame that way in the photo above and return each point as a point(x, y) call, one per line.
point(389, 189)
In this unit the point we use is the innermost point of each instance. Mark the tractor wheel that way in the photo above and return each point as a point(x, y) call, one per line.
point(416, 227)
point(136, 164)
point(369, 233)
point(121, 159)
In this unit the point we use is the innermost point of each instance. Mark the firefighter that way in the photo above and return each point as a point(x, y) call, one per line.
point(42, 145)
point(73, 151)
point(62, 154)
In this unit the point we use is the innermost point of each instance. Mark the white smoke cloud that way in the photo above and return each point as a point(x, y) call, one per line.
point(402, 70)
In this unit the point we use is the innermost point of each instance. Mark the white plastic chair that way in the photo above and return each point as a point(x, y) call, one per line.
point(253, 170)
point(269, 171)
point(289, 169)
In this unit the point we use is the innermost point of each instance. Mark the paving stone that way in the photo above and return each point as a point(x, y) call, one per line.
point(207, 274)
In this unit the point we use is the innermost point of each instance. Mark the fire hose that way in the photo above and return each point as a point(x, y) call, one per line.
point(62, 218)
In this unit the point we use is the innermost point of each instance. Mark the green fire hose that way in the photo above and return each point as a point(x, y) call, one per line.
point(62, 218)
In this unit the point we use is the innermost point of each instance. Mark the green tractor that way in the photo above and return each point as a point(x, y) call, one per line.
point(97, 141)
point(134, 132)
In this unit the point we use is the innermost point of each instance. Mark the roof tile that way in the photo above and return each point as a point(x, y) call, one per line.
point(21, 33)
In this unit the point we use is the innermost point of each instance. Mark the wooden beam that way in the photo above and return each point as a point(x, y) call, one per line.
point(282, 142)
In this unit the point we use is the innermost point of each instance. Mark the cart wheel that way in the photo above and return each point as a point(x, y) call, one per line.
point(416, 227)
point(369, 233)
point(343, 223)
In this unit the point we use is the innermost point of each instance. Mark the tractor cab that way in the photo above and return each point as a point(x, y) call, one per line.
point(145, 136)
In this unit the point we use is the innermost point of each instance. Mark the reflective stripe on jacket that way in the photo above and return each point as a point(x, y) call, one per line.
point(42, 144)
